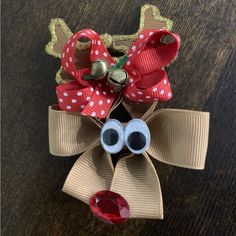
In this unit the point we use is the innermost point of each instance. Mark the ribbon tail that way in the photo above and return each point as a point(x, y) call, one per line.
point(68, 132)
point(179, 137)
point(135, 179)
point(149, 111)
point(137, 110)
point(91, 173)
point(117, 102)
point(100, 103)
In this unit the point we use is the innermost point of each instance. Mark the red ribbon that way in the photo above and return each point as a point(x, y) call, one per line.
point(148, 80)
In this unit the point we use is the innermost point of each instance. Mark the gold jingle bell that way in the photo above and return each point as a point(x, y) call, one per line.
point(99, 69)
point(117, 79)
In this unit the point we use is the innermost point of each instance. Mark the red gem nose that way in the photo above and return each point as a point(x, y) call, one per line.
point(109, 207)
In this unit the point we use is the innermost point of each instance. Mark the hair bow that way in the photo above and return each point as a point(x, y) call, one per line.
point(147, 80)
point(125, 185)
point(116, 193)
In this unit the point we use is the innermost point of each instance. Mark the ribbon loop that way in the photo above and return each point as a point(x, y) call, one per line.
point(68, 132)
point(97, 51)
point(92, 172)
point(181, 137)
point(150, 51)
point(91, 98)
point(136, 180)
point(148, 55)
point(151, 87)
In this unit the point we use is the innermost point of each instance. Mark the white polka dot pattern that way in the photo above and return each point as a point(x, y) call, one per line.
point(147, 80)
point(84, 96)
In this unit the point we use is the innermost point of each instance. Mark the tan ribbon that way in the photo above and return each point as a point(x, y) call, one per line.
point(91, 173)
point(137, 109)
point(135, 179)
point(178, 137)
point(70, 133)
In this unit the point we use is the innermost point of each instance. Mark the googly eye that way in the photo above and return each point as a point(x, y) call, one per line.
point(112, 136)
point(137, 136)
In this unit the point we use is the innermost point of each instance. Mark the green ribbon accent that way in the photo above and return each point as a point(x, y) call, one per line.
point(122, 61)
point(88, 77)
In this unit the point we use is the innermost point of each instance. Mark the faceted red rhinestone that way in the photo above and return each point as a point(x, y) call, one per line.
point(109, 207)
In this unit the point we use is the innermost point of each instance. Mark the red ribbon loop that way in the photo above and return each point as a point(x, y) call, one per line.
point(147, 79)
point(91, 98)
point(147, 57)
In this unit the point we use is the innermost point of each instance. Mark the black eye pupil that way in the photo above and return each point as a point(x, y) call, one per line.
point(110, 137)
point(136, 140)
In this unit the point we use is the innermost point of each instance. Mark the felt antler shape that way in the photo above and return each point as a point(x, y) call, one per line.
point(150, 18)
point(131, 189)
point(142, 76)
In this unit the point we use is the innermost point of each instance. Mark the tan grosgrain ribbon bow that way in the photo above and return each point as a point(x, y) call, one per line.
point(178, 137)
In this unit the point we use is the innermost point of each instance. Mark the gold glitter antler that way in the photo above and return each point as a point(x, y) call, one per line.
point(60, 33)
point(149, 18)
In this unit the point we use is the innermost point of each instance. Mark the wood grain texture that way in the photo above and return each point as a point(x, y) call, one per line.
point(203, 78)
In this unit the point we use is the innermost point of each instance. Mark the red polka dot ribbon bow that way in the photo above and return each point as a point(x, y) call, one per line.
point(147, 80)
